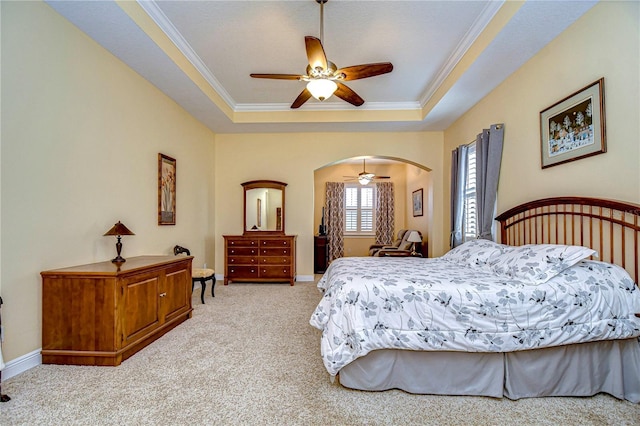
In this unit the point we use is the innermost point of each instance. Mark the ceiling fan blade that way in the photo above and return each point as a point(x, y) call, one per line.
point(382, 177)
point(301, 99)
point(344, 93)
point(366, 70)
point(278, 76)
point(315, 53)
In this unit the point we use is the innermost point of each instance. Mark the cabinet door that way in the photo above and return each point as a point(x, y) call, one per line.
point(175, 294)
point(139, 306)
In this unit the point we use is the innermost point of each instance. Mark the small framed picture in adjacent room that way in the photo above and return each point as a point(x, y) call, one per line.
point(417, 202)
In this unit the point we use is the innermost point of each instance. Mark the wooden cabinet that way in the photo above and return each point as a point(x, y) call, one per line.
point(259, 258)
point(320, 254)
point(99, 314)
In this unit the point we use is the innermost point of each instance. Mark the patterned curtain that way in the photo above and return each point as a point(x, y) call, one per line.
point(335, 219)
point(385, 212)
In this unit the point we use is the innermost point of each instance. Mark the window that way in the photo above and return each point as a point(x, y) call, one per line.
point(359, 217)
point(470, 228)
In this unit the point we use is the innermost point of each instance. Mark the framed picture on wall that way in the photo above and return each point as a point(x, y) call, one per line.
point(574, 127)
point(166, 190)
point(417, 202)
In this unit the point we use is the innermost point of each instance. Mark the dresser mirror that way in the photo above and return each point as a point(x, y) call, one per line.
point(264, 206)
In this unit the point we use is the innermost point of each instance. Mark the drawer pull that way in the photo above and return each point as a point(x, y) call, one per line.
point(163, 294)
point(233, 251)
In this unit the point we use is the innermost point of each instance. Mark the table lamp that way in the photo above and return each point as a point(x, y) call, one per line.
point(119, 230)
point(414, 238)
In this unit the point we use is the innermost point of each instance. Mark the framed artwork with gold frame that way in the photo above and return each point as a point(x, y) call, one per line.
point(166, 190)
point(574, 127)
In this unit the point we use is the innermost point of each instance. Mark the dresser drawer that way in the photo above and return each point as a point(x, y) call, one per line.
point(242, 251)
point(275, 260)
point(276, 242)
point(275, 251)
point(242, 260)
point(242, 271)
point(242, 242)
point(275, 271)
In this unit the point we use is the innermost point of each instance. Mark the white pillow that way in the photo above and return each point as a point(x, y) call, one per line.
point(538, 263)
point(475, 252)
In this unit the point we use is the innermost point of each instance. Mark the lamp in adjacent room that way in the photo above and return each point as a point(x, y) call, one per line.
point(414, 238)
point(119, 230)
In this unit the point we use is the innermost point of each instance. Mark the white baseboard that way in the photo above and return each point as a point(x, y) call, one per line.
point(305, 278)
point(21, 364)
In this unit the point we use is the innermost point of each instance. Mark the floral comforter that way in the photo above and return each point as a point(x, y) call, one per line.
point(435, 304)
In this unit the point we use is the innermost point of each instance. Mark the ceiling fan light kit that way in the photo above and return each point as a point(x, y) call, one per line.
point(324, 77)
point(321, 88)
point(365, 179)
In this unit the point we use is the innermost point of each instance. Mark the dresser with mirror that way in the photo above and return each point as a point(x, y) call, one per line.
point(263, 253)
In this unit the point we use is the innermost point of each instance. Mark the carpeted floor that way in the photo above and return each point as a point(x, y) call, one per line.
point(247, 357)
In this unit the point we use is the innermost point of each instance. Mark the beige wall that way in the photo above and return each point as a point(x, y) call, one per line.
point(416, 179)
point(81, 133)
point(603, 43)
point(292, 158)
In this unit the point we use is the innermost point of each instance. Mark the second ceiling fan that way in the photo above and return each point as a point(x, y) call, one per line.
point(323, 77)
point(365, 177)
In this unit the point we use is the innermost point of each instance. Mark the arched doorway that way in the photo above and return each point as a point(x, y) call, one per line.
point(410, 180)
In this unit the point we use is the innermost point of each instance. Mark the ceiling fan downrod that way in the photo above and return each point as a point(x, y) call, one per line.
point(321, 3)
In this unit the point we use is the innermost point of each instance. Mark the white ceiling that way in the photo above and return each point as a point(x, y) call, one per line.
point(447, 55)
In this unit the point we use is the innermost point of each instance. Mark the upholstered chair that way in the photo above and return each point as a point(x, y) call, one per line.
point(202, 275)
point(374, 248)
point(404, 248)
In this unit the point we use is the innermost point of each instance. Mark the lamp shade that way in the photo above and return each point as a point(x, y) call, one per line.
point(119, 229)
point(321, 88)
point(414, 237)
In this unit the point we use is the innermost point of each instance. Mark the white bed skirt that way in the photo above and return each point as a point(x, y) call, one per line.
point(583, 369)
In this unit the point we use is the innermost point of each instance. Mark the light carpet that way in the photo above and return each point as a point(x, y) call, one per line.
point(249, 356)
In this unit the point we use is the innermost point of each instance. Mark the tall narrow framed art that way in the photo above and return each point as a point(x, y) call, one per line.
point(416, 197)
point(166, 190)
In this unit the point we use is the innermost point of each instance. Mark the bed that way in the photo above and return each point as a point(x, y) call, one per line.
point(553, 310)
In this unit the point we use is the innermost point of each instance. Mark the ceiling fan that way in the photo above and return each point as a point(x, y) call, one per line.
point(365, 177)
point(323, 77)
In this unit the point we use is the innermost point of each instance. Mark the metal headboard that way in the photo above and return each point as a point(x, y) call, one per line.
point(610, 227)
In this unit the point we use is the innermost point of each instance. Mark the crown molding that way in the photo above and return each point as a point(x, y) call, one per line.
point(158, 16)
point(465, 44)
